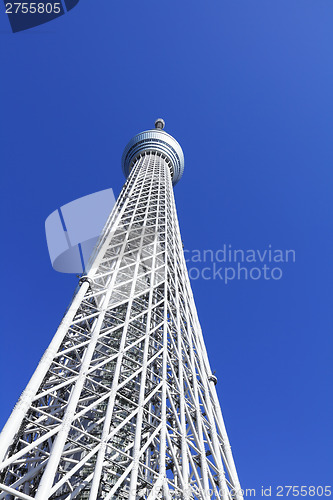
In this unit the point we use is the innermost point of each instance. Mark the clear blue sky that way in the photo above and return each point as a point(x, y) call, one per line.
point(246, 87)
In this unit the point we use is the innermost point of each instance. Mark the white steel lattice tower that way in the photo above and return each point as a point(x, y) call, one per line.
point(123, 403)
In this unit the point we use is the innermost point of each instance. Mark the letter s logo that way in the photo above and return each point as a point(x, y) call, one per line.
point(73, 230)
point(25, 14)
point(70, 4)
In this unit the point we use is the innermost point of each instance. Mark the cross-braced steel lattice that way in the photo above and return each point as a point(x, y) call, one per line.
point(123, 403)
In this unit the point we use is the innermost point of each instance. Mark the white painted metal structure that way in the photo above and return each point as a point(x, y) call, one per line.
point(123, 403)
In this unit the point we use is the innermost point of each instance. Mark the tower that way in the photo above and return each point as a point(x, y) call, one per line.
point(123, 403)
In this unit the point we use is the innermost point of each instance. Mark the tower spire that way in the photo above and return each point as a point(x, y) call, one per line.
point(160, 124)
point(123, 403)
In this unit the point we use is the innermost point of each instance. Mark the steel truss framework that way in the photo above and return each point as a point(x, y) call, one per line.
point(123, 403)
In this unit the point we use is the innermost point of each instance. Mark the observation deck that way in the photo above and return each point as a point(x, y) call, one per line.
point(157, 141)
